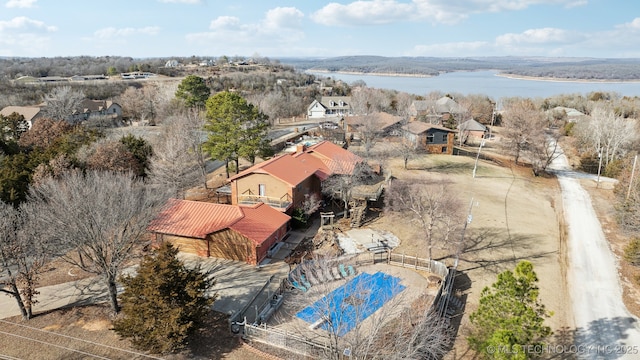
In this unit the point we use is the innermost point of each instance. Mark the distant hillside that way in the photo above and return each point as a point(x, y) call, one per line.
point(565, 68)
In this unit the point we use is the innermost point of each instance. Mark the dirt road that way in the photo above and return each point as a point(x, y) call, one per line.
point(604, 327)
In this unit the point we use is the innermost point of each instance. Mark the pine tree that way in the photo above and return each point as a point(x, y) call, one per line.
point(510, 316)
point(163, 303)
point(234, 128)
point(193, 90)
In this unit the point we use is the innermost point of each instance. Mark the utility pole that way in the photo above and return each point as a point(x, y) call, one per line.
point(493, 117)
point(475, 166)
point(599, 167)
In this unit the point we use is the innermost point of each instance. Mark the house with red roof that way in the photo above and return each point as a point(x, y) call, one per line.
point(242, 233)
point(286, 181)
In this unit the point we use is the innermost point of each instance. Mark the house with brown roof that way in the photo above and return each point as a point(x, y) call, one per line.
point(242, 233)
point(30, 113)
point(434, 139)
point(94, 108)
point(471, 131)
point(383, 123)
point(286, 181)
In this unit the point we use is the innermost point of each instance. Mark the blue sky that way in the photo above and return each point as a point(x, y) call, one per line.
point(310, 28)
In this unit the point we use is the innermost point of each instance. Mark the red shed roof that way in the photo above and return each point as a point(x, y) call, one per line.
point(197, 219)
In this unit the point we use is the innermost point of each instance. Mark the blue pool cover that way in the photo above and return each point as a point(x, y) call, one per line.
point(352, 302)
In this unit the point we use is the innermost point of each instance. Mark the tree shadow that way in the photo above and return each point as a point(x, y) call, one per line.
point(212, 340)
point(492, 248)
point(605, 338)
point(445, 167)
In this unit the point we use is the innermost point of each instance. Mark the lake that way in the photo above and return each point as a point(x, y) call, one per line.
point(487, 83)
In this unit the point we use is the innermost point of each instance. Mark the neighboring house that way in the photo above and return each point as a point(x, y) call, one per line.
point(286, 181)
point(30, 113)
point(434, 139)
point(569, 114)
point(436, 112)
point(316, 110)
point(385, 123)
point(330, 106)
point(171, 63)
point(470, 130)
point(94, 108)
point(242, 233)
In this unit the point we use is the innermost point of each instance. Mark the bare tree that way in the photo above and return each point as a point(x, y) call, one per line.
point(23, 255)
point(143, 104)
point(62, 101)
point(607, 134)
point(178, 160)
point(544, 150)
point(432, 205)
point(370, 132)
point(523, 125)
point(346, 177)
point(405, 149)
point(100, 217)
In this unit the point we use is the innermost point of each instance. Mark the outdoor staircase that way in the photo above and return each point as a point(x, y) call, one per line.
point(357, 215)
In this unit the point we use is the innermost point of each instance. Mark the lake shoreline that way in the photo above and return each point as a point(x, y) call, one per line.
point(508, 76)
point(552, 79)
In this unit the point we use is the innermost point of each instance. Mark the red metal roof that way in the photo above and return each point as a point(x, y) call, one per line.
point(260, 222)
point(337, 159)
point(194, 218)
point(197, 219)
point(284, 167)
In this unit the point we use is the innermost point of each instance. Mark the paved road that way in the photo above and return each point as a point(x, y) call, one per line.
point(604, 327)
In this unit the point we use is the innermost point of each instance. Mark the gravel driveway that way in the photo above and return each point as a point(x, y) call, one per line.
point(604, 327)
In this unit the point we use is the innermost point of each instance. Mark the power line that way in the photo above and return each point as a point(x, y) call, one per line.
point(54, 345)
point(77, 339)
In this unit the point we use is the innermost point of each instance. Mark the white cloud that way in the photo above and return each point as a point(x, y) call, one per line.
point(281, 25)
point(21, 3)
point(284, 17)
point(633, 25)
point(111, 32)
point(24, 24)
point(375, 12)
point(224, 22)
point(181, 1)
point(539, 36)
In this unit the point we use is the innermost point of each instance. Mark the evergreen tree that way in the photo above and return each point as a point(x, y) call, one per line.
point(510, 316)
point(235, 128)
point(163, 303)
point(194, 91)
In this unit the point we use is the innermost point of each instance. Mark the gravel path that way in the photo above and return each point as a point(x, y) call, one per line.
point(604, 327)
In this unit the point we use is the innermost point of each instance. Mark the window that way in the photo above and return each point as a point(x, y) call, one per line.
point(445, 137)
point(444, 150)
point(430, 138)
point(262, 191)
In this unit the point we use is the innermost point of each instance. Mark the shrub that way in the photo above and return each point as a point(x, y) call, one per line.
point(632, 251)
